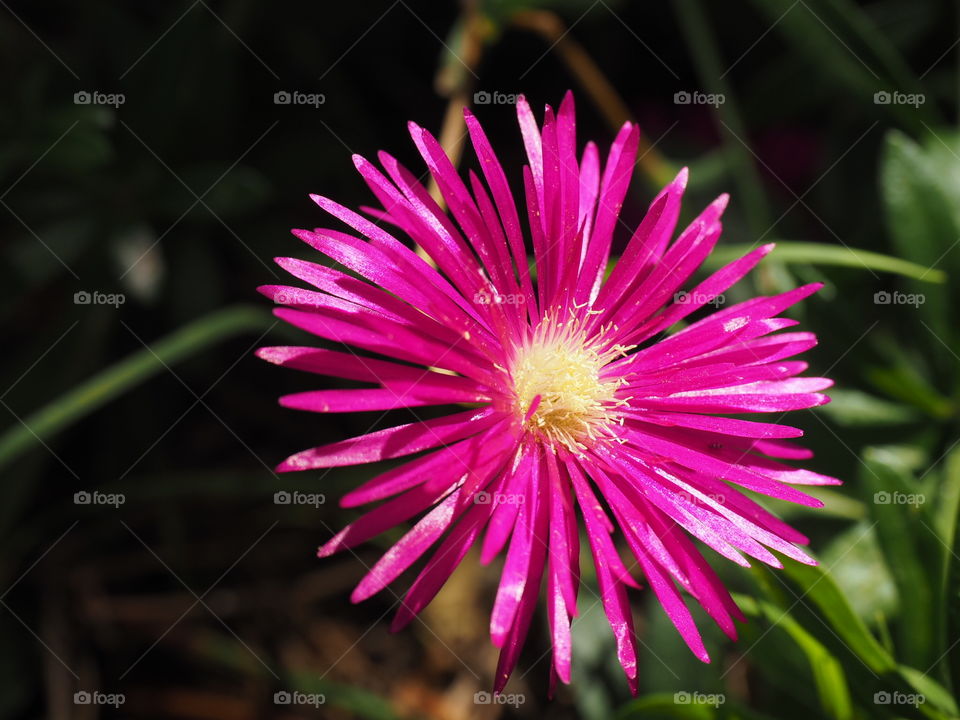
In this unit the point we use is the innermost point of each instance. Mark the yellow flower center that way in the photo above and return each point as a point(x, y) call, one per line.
point(558, 392)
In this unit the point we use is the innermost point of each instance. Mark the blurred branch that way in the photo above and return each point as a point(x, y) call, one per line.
point(706, 57)
point(455, 81)
point(592, 80)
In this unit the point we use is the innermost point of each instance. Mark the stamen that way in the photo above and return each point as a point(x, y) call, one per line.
point(558, 388)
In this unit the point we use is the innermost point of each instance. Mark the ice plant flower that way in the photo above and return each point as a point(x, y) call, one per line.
point(582, 397)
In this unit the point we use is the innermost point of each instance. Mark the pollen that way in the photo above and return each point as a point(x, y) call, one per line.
point(559, 392)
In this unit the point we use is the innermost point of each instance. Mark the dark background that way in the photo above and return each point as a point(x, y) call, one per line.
point(199, 597)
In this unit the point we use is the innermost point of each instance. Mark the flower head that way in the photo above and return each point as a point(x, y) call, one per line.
point(583, 399)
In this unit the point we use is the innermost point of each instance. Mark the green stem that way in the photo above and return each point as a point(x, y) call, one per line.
point(113, 381)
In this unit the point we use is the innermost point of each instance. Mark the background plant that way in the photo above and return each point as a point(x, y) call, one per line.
point(178, 198)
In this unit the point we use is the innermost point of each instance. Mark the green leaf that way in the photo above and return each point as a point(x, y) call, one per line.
point(824, 38)
point(904, 382)
point(824, 254)
point(859, 568)
point(946, 516)
point(922, 223)
point(679, 706)
point(897, 509)
point(827, 671)
point(835, 504)
point(921, 216)
point(853, 408)
point(819, 587)
point(947, 510)
point(933, 692)
point(928, 173)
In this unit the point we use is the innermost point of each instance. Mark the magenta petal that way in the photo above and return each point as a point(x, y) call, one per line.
point(673, 604)
point(563, 552)
point(642, 250)
point(584, 390)
point(504, 518)
point(415, 472)
point(513, 642)
point(728, 426)
point(613, 594)
point(392, 442)
point(408, 549)
point(506, 207)
point(441, 565)
point(333, 401)
point(524, 546)
point(703, 293)
point(613, 189)
point(449, 554)
point(559, 619)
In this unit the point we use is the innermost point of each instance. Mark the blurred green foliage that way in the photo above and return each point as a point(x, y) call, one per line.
point(179, 198)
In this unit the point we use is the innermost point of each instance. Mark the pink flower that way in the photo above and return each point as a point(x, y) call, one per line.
point(578, 397)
